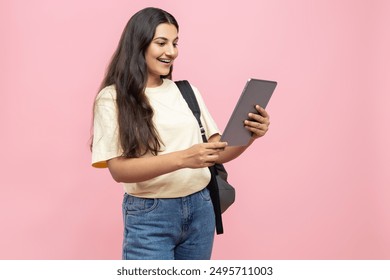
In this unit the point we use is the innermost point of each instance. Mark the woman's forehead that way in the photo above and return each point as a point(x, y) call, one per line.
point(166, 30)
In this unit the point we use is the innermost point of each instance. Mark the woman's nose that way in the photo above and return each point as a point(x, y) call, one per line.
point(170, 50)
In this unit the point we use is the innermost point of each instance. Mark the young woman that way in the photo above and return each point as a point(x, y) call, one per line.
point(147, 136)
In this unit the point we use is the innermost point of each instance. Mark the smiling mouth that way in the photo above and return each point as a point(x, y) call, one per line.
point(167, 61)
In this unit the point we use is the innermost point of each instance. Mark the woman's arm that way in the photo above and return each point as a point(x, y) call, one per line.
point(257, 124)
point(132, 170)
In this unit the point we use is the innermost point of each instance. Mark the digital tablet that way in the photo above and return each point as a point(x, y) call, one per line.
point(256, 92)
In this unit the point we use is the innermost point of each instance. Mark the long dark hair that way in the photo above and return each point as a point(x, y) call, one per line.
point(128, 72)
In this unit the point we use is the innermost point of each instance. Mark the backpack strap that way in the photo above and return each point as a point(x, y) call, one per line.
point(189, 96)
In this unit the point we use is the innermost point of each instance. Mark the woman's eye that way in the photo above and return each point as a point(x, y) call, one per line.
point(161, 44)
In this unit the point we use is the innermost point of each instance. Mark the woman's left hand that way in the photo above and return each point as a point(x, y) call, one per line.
point(258, 123)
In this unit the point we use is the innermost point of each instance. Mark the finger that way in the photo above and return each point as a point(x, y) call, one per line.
point(262, 111)
point(211, 159)
point(212, 152)
point(206, 164)
point(256, 131)
point(257, 118)
point(216, 145)
point(256, 125)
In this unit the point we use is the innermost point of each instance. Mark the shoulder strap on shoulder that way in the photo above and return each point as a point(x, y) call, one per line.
point(189, 96)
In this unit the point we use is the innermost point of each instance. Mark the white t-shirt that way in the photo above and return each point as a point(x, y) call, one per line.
point(177, 128)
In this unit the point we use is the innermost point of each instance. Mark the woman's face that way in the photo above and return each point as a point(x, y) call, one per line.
point(161, 53)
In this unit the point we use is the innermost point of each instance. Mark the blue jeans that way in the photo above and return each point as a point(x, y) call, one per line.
point(168, 228)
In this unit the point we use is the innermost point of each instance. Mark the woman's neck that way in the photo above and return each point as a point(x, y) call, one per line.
point(154, 82)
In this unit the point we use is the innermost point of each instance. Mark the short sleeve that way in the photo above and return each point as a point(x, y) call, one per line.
point(105, 143)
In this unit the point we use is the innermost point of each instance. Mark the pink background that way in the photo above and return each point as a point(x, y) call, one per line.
point(316, 187)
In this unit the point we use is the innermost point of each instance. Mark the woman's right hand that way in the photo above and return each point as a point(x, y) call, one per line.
point(202, 155)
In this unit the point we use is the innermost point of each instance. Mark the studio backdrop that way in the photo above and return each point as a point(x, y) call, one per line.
point(317, 186)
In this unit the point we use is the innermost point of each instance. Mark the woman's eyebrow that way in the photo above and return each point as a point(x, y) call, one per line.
point(165, 39)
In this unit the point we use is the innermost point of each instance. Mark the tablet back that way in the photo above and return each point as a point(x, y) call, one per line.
point(256, 92)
